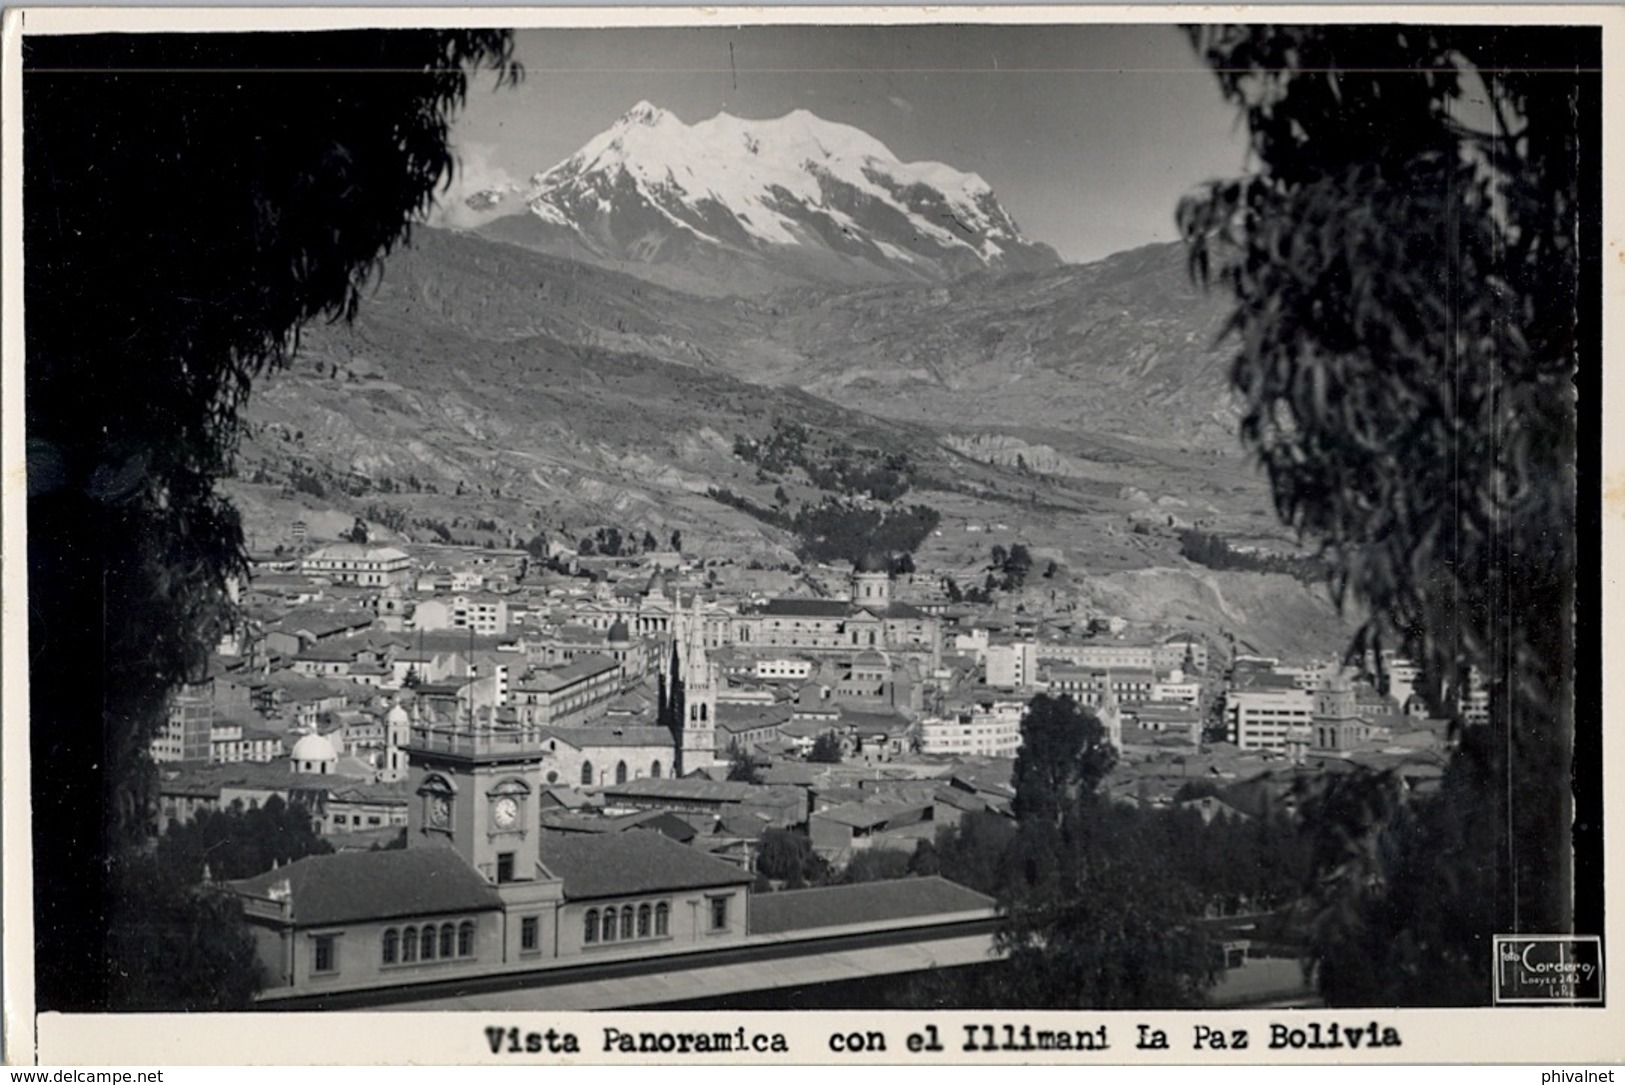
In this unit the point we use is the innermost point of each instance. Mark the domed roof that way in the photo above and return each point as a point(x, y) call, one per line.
point(872, 563)
point(618, 632)
point(314, 747)
point(398, 714)
point(870, 658)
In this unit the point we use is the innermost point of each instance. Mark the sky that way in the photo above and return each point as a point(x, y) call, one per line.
point(1088, 134)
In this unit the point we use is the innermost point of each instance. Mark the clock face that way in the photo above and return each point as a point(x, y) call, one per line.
point(439, 811)
point(505, 812)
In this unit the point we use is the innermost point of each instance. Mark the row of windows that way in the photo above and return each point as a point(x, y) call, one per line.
point(372, 819)
point(626, 923)
point(409, 944)
point(589, 778)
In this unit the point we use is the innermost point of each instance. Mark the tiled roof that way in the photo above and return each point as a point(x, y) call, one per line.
point(583, 738)
point(873, 722)
point(694, 789)
point(320, 621)
point(746, 717)
point(866, 902)
point(352, 887)
point(560, 677)
point(629, 864)
point(868, 815)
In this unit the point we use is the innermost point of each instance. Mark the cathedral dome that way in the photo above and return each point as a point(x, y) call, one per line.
point(314, 747)
point(619, 633)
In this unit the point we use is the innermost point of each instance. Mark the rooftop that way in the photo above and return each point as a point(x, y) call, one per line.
point(866, 902)
point(588, 737)
point(806, 608)
point(695, 789)
point(350, 887)
point(869, 815)
point(628, 864)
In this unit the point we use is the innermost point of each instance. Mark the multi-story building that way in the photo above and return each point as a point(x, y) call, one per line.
point(793, 668)
point(485, 613)
point(1260, 719)
point(479, 888)
point(985, 730)
point(567, 696)
point(1181, 652)
point(1090, 686)
point(1012, 666)
point(359, 564)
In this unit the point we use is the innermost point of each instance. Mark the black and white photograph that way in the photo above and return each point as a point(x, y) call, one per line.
point(964, 514)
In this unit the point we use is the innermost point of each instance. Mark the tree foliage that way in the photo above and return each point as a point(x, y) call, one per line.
point(1064, 754)
point(1403, 904)
point(182, 946)
point(742, 765)
point(1406, 263)
point(876, 865)
point(787, 856)
point(188, 205)
point(237, 843)
point(1098, 917)
point(826, 749)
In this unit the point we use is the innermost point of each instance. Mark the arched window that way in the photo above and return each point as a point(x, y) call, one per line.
point(702, 712)
point(448, 940)
point(609, 924)
point(620, 772)
point(426, 943)
point(392, 941)
point(586, 773)
point(465, 938)
point(654, 770)
point(626, 923)
point(409, 945)
point(662, 919)
point(643, 921)
point(590, 931)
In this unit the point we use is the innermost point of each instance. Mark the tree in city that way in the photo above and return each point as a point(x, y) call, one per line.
point(742, 765)
point(972, 852)
point(1408, 261)
point(237, 843)
point(787, 856)
point(1098, 916)
point(826, 749)
point(1064, 754)
point(876, 865)
point(189, 205)
point(358, 533)
point(185, 947)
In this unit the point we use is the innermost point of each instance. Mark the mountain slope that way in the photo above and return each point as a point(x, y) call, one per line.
point(736, 205)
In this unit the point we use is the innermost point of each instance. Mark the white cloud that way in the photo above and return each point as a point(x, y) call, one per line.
point(475, 172)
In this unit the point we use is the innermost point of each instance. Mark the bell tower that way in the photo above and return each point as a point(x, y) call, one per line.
point(688, 695)
point(698, 746)
point(871, 583)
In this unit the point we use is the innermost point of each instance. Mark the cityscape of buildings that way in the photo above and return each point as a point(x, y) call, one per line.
point(553, 740)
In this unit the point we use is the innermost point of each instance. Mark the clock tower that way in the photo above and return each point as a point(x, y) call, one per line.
point(474, 788)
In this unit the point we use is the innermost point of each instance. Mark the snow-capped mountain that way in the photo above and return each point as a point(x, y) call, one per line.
point(796, 198)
